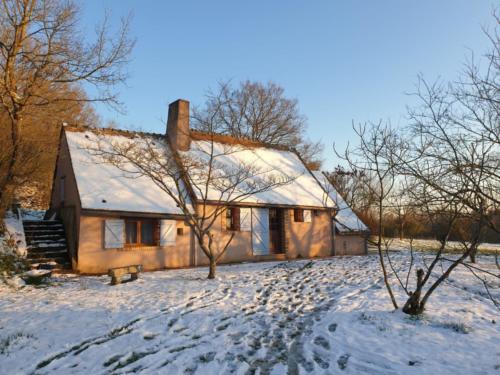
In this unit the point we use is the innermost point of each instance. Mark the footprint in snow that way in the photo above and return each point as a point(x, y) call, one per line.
point(342, 361)
point(321, 341)
point(332, 327)
point(320, 361)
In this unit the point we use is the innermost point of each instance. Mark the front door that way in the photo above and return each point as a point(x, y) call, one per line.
point(276, 230)
point(260, 231)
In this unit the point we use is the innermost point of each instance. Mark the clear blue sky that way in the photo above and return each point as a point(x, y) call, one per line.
point(343, 60)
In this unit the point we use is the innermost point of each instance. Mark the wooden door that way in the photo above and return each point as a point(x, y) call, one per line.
point(275, 230)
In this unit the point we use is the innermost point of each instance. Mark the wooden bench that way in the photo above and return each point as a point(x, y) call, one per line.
point(118, 272)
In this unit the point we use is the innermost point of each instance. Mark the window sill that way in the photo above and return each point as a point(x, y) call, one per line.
point(140, 248)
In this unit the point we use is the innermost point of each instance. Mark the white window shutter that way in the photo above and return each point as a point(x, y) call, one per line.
point(307, 216)
point(245, 219)
point(168, 232)
point(114, 234)
point(260, 231)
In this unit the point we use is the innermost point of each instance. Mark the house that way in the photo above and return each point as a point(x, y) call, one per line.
point(113, 220)
point(351, 234)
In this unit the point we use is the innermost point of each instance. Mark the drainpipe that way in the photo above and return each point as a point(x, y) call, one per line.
point(332, 219)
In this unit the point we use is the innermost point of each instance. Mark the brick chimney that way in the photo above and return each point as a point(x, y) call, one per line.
point(178, 125)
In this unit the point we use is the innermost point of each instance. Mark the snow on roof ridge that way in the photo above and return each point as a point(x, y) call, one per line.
point(199, 135)
point(110, 131)
point(195, 134)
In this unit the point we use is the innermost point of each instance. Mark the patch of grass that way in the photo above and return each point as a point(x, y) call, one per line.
point(7, 342)
point(207, 357)
point(458, 327)
point(134, 357)
point(364, 317)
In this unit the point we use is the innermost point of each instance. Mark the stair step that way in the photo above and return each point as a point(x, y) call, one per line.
point(30, 233)
point(42, 228)
point(51, 265)
point(48, 242)
point(38, 250)
point(48, 254)
point(46, 238)
point(44, 235)
point(41, 221)
point(58, 260)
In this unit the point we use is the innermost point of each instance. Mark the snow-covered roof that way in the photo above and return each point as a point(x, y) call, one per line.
point(345, 220)
point(105, 187)
point(301, 189)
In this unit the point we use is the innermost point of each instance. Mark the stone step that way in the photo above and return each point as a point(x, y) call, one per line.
point(48, 237)
point(65, 267)
point(38, 250)
point(31, 228)
point(48, 242)
point(58, 260)
point(48, 254)
point(30, 233)
point(41, 222)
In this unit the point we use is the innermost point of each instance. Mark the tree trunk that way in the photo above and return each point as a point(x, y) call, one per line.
point(7, 180)
point(211, 268)
point(472, 255)
point(381, 256)
point(413, 305)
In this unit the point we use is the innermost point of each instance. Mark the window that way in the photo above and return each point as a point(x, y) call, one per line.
point(147, 232)
point(139, 232)
point(233, 218)
point(131, 232)
point(298, 215)
point(180, 231)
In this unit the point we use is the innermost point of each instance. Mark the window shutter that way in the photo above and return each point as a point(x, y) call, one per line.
point(307, 216)
point(168, 232)
point(245, 219)
point(236, 218)
point(223, 217)
point(113, 234)
point(156, 232)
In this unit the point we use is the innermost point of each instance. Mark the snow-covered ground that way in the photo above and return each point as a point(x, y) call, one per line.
point(326, 316)
point(15, 231)
point(433, 245)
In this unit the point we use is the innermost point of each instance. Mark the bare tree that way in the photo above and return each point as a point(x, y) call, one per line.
point(453, 161)
point(375, 158)
point(259, 112)
point(352, 185)
point(43, 57)
point(200, 181)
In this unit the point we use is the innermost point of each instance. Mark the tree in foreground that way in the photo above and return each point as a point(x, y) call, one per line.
point(373, 159)
point(203, 181)
point(44, 61)
point(445, 163)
